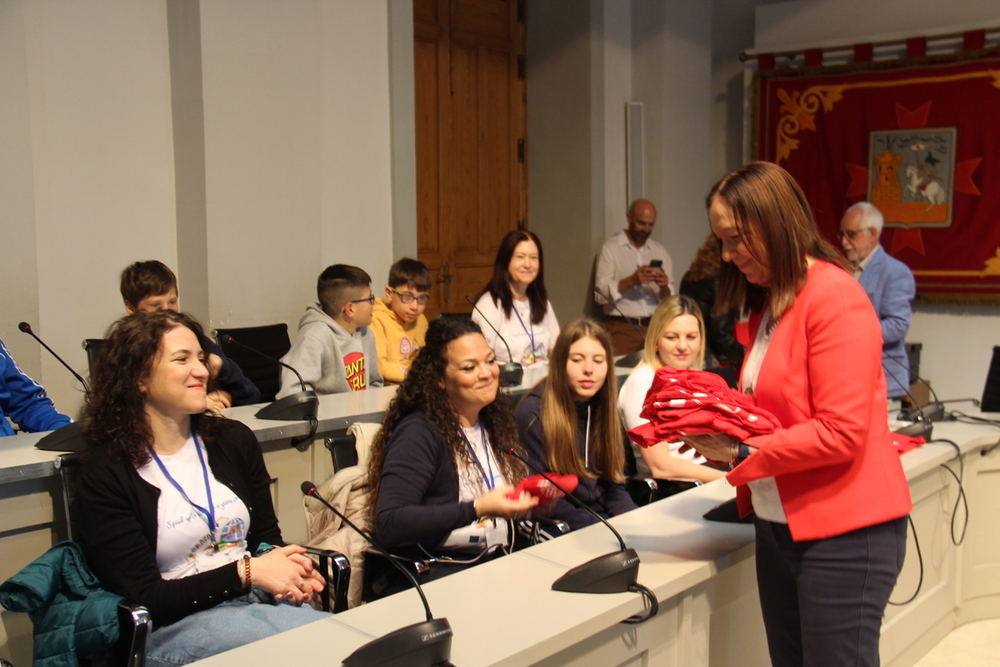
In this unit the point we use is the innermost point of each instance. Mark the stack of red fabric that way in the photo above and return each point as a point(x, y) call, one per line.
point(689, 402)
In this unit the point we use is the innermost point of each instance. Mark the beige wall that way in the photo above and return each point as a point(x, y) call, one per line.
point(292, 133)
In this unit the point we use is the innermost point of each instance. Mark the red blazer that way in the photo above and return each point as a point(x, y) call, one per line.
point(833, 459)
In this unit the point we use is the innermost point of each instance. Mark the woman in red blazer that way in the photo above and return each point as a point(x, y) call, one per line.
point(827, 487)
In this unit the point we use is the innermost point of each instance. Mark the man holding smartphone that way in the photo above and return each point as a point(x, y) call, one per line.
point(634, 274)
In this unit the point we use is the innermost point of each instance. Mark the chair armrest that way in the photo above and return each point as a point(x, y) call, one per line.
point(134, 625)
point(336, 569)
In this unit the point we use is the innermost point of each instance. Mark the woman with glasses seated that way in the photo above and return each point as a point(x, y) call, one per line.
point(438, 476)
point(676, 338)
point(176, 503)
point(516, 304)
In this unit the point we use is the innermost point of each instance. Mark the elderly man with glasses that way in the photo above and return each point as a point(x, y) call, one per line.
point(890, 286)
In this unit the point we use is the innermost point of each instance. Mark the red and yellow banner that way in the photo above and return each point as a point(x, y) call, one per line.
point(920, 139)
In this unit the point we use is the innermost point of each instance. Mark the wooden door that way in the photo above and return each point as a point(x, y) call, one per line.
point(470, 132)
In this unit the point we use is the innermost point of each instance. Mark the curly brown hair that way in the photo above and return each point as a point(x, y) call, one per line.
point(115, 410)
point(707, 261)
point(423, 391)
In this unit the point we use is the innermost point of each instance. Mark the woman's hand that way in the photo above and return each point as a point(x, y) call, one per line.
point(287, 574)
point(496, 503)
point(717, 447)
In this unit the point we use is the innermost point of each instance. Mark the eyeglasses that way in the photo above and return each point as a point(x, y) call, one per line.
point(370, 299)
point(409, 298)
point(851, 233)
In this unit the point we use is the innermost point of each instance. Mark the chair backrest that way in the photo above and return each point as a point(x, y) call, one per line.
point(271, 340)
point(991, 391)
point(93, 348)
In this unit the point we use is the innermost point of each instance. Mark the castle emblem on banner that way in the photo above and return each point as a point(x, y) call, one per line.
point(911, 176)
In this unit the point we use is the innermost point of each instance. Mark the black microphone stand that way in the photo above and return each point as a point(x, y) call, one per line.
point(68, 438)
point(616, 572)
point(302, 405)
point(511, 373)
point(425, 644)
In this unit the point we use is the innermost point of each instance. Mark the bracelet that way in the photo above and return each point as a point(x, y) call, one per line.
point(247, 579)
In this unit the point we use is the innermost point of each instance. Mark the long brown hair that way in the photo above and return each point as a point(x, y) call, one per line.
point(776, 225)
point(558, 411)
point(423, 391)
point(115, 410)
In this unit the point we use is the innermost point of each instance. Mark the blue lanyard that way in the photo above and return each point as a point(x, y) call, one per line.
point(208, 514)
point(475, 459)
point(531, 332)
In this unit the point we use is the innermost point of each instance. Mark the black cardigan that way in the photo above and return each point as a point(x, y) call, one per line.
point(119, 513)
point(418, 494)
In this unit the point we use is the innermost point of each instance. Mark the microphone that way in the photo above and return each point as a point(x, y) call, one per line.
point(935, 411)
point(635, 357)
point(26, 328)
point(301, 405)
point(616, 572)
point(422, 644)
point(511, 373)
point(68, 438)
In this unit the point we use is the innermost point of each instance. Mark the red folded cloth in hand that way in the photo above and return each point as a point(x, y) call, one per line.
point(543, 489)
point(690, 402)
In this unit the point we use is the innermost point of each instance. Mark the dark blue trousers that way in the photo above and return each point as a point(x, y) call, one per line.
point(823, 600)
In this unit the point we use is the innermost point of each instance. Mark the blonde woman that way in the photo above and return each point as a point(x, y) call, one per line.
point(570, 425)
point(676, 338)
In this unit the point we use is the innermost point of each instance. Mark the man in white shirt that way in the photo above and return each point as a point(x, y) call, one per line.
point(634, 274)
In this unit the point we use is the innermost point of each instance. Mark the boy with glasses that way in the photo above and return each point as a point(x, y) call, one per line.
point(399, 323)
point(334, 349)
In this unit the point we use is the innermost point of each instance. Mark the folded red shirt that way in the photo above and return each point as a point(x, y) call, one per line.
point(690, 402)
point(543, 489)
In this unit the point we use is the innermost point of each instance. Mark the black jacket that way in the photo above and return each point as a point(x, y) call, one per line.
point(604, 497)
point(118, 510)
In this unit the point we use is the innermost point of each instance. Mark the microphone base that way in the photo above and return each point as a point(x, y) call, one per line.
point(297, 407)
point(612, 573)
point(419, 645)
point(68, 438)
point(511, 374)
point(932, 412)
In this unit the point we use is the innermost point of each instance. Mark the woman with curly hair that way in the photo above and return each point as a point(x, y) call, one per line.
point(438, 476)
point(516, 303)
point(569, 424)
point(175, 502)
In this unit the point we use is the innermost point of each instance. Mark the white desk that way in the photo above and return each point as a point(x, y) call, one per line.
point(505, 613)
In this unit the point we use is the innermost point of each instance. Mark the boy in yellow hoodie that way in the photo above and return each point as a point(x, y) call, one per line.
point(398, 322)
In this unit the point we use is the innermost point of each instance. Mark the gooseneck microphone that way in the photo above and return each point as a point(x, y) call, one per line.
point(511, 373)
point(68, 438)
point(423, 644)
point(26, 328)
point(302, 405)
point(616, 572)
point(629, 359)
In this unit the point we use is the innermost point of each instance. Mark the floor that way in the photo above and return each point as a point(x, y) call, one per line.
point(970, 645)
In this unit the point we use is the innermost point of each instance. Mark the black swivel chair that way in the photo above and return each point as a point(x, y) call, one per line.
point(93, 348)
point(271, 340)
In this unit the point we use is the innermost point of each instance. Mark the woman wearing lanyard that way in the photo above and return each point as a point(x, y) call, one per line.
point(516, 304)
point(569, 424)
point(438, 476)
point(827, 487)
point(176, 502)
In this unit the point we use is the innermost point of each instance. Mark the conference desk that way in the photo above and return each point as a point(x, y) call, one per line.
point(505, 613)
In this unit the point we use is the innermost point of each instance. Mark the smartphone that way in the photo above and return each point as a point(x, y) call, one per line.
point(656, 264)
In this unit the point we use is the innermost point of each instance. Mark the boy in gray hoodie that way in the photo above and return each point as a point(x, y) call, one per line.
point(334, 349)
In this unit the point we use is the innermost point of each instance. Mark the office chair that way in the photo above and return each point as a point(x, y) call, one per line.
point(271, 340)
point(93, 348)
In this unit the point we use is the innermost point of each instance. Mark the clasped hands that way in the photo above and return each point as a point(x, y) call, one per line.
point(288, 574)
point(651, 274)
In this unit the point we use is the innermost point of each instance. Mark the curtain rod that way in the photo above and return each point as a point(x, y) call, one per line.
point(899, 41)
